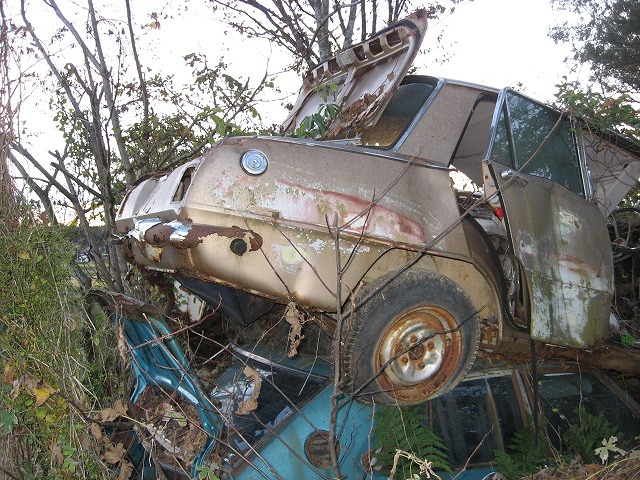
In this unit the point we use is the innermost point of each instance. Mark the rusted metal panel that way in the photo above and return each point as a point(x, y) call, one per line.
point(614, 170)
point(287, 217)
point(562, 242)
point(362, 78)
point(437, 133)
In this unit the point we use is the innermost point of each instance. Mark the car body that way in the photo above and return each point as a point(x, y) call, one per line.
point(190, 421)
point(435, 218)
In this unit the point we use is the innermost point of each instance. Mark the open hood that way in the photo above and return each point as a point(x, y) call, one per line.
point(360, 79)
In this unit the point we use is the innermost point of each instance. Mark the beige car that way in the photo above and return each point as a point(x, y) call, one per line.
point(429, 208)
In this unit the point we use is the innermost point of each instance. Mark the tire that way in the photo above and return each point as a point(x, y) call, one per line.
point(415, 339)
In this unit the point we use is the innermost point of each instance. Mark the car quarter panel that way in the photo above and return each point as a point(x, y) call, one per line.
point(288, 215)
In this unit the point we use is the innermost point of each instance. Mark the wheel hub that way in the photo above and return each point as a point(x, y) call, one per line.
point(418, 352)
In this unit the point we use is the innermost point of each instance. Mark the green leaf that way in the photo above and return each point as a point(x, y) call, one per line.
point(7, 421)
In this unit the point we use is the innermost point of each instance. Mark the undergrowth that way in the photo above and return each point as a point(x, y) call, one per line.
point(590, 441)
point(57, 368)
point(400, 429)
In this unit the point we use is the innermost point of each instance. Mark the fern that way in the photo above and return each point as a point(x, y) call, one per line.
point(407, 429)
point(584, 437)
point(524, 455)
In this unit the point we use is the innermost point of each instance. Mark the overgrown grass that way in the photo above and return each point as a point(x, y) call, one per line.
point(57, 363)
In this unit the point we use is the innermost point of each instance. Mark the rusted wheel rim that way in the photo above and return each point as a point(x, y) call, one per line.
point(419, 351)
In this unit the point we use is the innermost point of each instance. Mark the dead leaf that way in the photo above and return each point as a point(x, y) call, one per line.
point(295, 318)
point(96, 431)
point(593, 468)
point(42, 394)
point(8, 372)
point(119, 409)
point(114, 453)
point(56, 454)
point(250, 404)
point(122, 342)
point(126, 469)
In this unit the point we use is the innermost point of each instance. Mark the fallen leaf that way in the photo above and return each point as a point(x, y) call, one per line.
point(114, 453)
point(8, 372)
point(119, 409)
point(251, 403)
point(126, 469)
point(56, 455)
point(42, 394)
point(294, 318)
point(96, 431)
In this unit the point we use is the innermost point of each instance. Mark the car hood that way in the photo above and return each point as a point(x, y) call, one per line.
point(360, 79)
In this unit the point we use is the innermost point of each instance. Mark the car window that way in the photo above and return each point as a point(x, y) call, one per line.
point(398, 115)
point(471, 150)
point(538, 140)
point(282, 391)
point(564, 394)
point(478, 415)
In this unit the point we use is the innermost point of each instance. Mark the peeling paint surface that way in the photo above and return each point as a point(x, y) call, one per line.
point(562, 242)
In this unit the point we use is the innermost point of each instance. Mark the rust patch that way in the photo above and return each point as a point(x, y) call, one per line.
point(373, 218)
point(162, 235)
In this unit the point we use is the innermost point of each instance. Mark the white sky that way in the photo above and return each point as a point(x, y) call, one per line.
point(497, 43)
point(502, 43)
point(491, 42)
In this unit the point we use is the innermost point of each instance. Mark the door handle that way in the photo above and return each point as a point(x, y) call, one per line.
point(510, 173)
point(507, 174)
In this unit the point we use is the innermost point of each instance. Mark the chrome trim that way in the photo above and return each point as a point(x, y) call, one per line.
point(475, 86)
point(140, 227)
point(180, 231)
point(588, 183)
point(494, 124)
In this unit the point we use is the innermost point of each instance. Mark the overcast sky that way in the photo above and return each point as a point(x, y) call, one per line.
point(497, 43)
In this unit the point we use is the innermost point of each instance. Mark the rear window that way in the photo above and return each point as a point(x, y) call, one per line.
point(566, 396)
point(476, 418)
point(398, 115)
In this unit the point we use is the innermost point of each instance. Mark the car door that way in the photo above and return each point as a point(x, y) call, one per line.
point(560, 238)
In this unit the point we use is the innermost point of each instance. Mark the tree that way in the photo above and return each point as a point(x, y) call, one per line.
point(314, 30)
point(7, 193)
point(606, 36)
point(118, 119)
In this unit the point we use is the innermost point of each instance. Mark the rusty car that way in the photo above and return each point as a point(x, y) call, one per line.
point(266, 415)
point(431, 207)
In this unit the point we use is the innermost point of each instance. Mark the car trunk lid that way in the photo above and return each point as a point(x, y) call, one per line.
point(360, 80)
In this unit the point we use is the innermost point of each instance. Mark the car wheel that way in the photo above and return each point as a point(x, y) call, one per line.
point(414, 339)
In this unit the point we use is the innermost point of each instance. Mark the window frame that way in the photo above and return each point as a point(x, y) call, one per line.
point(502, 104)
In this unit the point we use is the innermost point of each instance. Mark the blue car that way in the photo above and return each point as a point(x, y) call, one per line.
point(265, 415)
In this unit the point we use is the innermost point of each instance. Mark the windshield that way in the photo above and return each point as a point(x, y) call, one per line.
point(279, 392)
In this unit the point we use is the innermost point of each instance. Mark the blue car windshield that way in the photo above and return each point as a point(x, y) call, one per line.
point(281, 390)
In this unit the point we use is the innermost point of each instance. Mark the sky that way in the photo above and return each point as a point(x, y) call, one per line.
point(502, 43)
point(497, 43)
